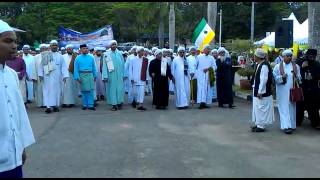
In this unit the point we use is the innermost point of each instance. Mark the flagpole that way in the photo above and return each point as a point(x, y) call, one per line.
point(220, 27)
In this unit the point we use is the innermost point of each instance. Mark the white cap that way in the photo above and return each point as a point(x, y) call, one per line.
point(53, 42)
point(62, 48)
point(42, 46)
point(140, 48)
point(260, 53)
point(37, 49)
point(206, 46)
point(99, 48)
point(181, 49)
point(192, 48)
point(26, 46)
point(69, 46)
point(214, 51)
point(154, 49)
point(4, 27)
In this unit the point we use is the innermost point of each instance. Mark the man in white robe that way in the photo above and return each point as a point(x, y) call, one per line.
point(192, 64)
point(15, 130)
point(135, 77)
point(69, 90)
point(100, 87)
point(150, 57)
point(284, 75)
point(37, 84)
point(205, 61)
point(262, 105)
point(180, 72)
point(215, 55)
point(29, 60)
point(133, 55)
point(52, 71)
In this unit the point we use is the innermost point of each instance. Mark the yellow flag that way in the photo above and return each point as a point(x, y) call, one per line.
point(295, 48)
point(266, 48)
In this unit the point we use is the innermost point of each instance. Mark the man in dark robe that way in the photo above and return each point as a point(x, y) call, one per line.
point(310, 74)
point(160, 72)
point(224, 79)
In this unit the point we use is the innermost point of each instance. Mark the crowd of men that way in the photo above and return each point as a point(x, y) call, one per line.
point(52, 78)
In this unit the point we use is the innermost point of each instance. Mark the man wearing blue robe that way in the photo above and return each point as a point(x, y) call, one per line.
point(85, 74)
point(113, 75)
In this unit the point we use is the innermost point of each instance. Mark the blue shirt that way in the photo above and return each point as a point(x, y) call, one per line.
point(84, 63)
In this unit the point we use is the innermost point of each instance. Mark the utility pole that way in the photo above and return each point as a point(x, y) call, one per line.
point(212, 17)
point(252, 22)
point(220, 30)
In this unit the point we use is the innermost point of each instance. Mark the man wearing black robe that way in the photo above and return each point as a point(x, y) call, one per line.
point(160, 83)
point(224, 79)
point(310, 73)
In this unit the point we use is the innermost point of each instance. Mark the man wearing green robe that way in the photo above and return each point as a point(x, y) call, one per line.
point(113, 76)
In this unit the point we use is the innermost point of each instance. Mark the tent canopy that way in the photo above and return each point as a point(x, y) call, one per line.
point(300, 33)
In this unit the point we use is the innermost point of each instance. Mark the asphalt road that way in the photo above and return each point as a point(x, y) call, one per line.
point(175, 143)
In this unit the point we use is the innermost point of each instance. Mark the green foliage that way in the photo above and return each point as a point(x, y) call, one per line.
point(131, 20)
point(246, 72)
point(239, 45)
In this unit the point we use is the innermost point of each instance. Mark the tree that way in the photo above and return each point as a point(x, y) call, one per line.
point(172, 24)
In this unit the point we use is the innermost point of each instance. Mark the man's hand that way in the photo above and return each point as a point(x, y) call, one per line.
point(205, 70)
point(153, 75)
point(41, 78)
point(305, 64)
point(191, 74)
point(285, 76)
point(259, 96)
point(24, 156)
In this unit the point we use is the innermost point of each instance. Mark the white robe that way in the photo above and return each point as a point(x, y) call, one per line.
point(149, 79)
point(38, 84)
point(52, 82)
point(286, 108)
point(262, 109)
point(135, 75)
point(15, 130)
point(29, 60)
point(182, 82)
point(100, 88)
point(69, 90)
point(129, 85)
point(204, 91)
point(192, 63)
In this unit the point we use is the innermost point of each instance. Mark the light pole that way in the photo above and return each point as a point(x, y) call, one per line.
point(220, 29)
point(252, 21)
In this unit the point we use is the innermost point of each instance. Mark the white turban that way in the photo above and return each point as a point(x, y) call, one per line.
point(53, 42)
point(222, 49)
point(181, 49)
point(140, 48)
point(286, 52)
point(154, 49)
point(47, 45)
point(37, 49)
point(158, 51)
point(113, 41)
point(62, 48)
point(164, 50)
point(146, 49)
point(26, 46)
point(69, 46)
point(214, 51)
point(4, 27)
point(260, 53)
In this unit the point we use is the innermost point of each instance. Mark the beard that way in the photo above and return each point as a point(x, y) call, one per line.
point(222, 58)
